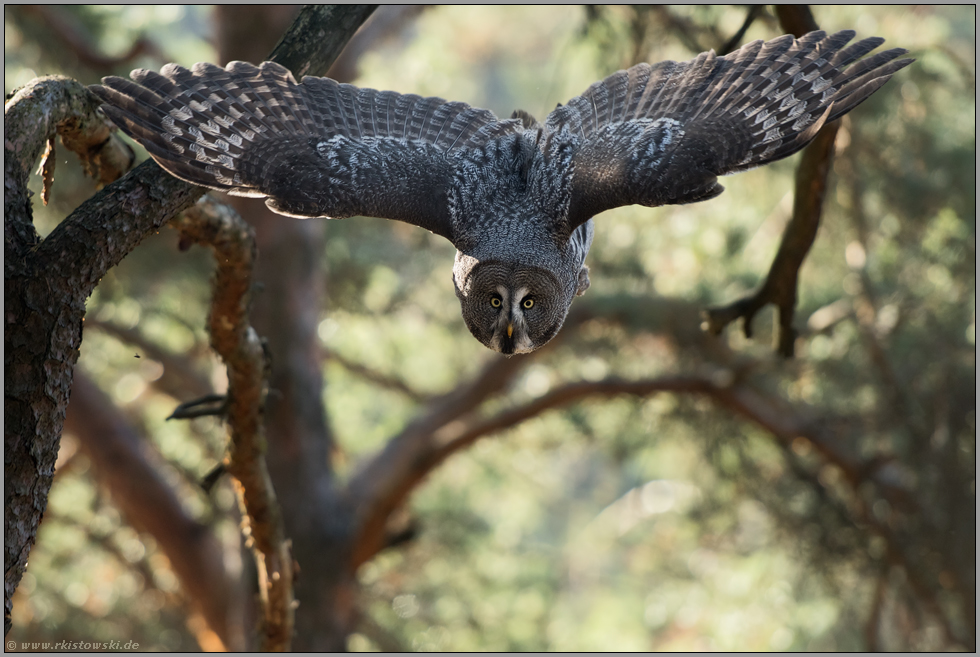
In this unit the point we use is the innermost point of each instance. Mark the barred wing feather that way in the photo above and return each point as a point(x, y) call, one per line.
point(661, 134)
point(316, 148)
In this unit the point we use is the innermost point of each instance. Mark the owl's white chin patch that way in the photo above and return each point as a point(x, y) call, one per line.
point(522, 343)
point(523, 346)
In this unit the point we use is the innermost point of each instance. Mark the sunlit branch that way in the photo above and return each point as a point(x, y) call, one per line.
point(455, 438)
point(426, 443)
point(233, 338)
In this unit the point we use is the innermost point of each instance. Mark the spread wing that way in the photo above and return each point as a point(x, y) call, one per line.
point(655, 135)
point(319, 148)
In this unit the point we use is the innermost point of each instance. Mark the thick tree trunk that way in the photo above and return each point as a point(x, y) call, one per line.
point(46, 284)
point(286, 312)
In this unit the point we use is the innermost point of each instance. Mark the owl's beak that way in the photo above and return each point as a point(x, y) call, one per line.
point(510, 330)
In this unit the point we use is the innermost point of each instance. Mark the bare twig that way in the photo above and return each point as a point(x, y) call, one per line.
point(211, 478)
point(212, 405)
point(46, 170)
point(754, 12)
point(781, 282)
point(179, 379)
point(378, 378)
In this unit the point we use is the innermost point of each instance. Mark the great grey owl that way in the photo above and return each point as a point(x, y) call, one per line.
point(515, 197)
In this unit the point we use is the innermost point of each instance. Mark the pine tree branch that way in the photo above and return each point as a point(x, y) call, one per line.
point(810, 188)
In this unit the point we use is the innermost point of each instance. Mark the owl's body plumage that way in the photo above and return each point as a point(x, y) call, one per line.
point(515, 197)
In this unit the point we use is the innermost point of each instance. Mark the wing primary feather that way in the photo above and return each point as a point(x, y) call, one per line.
point(663, 133)
point(315, 148)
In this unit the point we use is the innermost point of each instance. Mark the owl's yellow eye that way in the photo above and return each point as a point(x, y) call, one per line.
point(495, 302)
point(527, 303)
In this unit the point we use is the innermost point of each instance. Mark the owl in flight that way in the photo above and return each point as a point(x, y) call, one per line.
point(515, 197)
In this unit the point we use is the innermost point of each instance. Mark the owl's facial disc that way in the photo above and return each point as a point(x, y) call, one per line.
point(511, 308)
point(510, 331)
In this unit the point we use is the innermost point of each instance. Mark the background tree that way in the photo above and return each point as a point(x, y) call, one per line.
point(691, 492)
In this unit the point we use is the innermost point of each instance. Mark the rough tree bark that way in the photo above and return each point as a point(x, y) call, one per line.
point(47, 282)
point(45, 285)
point(336, 528)
point(232, 337)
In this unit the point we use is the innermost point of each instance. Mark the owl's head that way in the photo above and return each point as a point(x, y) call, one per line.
point(510, 307)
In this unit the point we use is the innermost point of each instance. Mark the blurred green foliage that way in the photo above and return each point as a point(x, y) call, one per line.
point(617, 524)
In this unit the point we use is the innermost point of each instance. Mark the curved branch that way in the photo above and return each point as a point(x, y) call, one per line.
point(378, 378)
point(426, 443)
point(33, 117)
point(810, 188)
point(387, 479)
point(233, 338)
point(781, 282)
